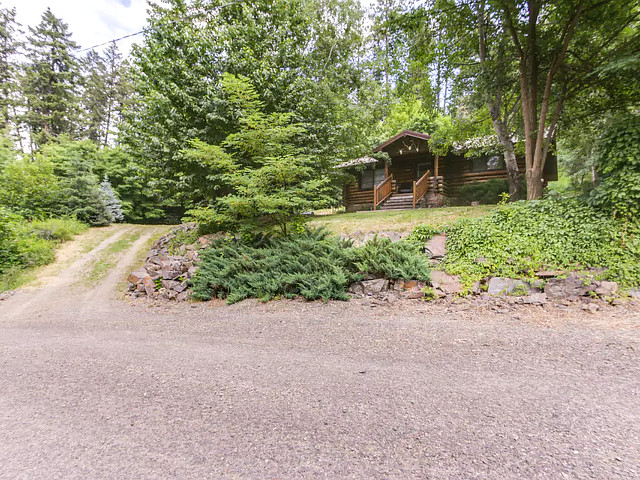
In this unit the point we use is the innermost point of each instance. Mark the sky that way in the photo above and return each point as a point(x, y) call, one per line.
point(91, 22)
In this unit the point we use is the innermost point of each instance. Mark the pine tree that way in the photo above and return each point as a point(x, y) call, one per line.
point(105, 91)
point(94, 96)
point(111, 200)
point(51, 80)
point(118, 89)
point(9, 45)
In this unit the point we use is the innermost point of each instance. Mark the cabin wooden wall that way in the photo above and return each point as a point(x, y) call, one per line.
point(454, 170)
point(356, 199)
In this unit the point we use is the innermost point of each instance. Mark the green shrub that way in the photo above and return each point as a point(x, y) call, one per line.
point(383, 258)
point(422, 234)
point(28, 244)
point(484, 192)
point(58, 229)
point(516, 240)
point(618, 164)
point(35, 251)
point(310, 264)
point(9, 252)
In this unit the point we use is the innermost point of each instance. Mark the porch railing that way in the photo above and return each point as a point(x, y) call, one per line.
point(382, 191)
point(421, 187)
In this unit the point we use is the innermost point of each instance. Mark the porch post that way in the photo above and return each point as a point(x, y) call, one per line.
point(437, 165)
point(386, 170)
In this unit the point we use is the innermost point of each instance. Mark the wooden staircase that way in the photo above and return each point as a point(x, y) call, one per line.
point(398, 201)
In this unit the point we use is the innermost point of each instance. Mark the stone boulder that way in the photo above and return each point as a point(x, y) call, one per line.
point(606, 289)
point(573, 286)
point(445, 283)
point(508, 286)
point(373, 287)
point(435, 247)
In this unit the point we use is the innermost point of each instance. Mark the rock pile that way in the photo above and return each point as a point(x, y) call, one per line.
point(166, 273)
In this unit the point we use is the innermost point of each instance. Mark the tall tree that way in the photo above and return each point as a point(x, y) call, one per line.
point(559, 46)
point(301, 56)
point(50, 80)
point(94, 96)
point(9, 45)
point(106, 89)
point(497, 86)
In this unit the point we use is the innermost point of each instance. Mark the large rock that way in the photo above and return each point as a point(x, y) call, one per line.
point(448, 284)
point(507, 286)
point(635, 293)
point(575, 285)
point(372, 287)
point(536, 298)
point(356, 288)
point(137, 276)
point(435, 247)
point(606, 289)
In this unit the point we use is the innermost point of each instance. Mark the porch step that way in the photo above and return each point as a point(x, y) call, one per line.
point(398, 201)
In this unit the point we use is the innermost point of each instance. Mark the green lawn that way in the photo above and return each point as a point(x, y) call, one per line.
point(397, 221)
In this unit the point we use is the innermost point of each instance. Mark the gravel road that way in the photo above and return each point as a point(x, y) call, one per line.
point(93, 387)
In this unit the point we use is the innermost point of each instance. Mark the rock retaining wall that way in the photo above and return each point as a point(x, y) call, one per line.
point(166, 273)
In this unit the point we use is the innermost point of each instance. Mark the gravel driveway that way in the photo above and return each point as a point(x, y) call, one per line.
point(106, 389)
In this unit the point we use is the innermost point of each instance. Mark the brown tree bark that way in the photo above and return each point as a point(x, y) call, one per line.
point(494, 102)
point(539, 132)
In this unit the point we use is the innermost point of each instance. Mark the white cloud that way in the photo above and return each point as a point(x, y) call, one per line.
point(91, 22)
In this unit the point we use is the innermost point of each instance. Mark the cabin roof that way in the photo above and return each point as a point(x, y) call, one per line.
point(400, 136)
point(357, 161)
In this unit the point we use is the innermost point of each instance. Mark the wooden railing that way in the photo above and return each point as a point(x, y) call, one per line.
point(382, 191)
point(421, 187)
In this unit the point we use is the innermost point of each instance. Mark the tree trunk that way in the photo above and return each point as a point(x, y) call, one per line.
point(515, 182)
point(535, 183)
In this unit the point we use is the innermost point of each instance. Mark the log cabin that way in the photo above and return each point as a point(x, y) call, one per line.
point(416, 178)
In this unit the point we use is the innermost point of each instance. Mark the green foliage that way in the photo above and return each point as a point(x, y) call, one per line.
point(27, 244)
point(310, 264)
point(29, 187)
point(618, 163)
point(75, 166)
point(303, 57)
point(422, 234)
point(384, 258)
point(268, 180)
point(487, 193)
point(57, 229)
point(516, 240)
point(51, 80)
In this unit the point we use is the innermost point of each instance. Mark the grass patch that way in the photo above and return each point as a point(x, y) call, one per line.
point(397, 221)
point(108, 258)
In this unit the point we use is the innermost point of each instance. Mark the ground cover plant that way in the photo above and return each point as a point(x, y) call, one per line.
point(25, 245)
point(312, 264)
point(518, 239)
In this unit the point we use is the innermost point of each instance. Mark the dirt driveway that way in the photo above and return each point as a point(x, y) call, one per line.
point(94, 387)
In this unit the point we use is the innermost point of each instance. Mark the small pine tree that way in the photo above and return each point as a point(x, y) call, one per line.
point(111, 200)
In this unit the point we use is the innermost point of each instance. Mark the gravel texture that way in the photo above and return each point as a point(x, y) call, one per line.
point(95, 387)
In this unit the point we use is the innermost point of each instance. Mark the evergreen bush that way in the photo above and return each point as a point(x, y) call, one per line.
point(311, 264)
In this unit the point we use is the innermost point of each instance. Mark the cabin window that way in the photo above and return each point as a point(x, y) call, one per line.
point(369, 178)
point(483, 164)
